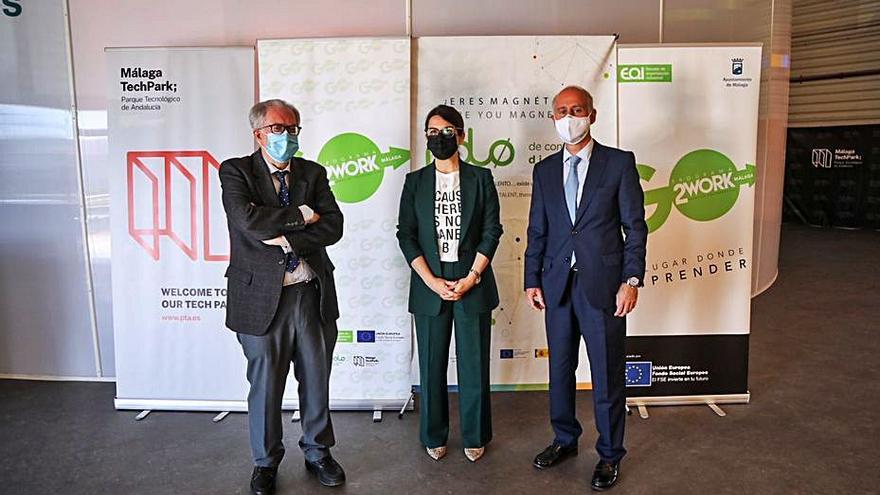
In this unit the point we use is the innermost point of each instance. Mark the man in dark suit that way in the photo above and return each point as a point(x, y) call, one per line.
point(584, 273)
point(281, 297)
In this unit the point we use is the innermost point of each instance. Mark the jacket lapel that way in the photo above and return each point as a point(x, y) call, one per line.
point(556, 187)
point(468, 197)
point(427, 193)
point(595, 171)
point(265, 186)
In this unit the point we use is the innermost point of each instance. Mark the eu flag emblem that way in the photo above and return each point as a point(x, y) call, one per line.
point(366, 336)
point(638, 373)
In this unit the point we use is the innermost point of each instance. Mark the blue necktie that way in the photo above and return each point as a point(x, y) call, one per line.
point(571, 186)
point(284, 197)
point(571, 191)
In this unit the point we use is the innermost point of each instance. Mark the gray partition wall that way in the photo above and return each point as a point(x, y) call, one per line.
point(45, 309)
point(45, 320)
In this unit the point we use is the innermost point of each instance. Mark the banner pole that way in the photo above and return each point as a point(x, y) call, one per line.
point(409, 18)
point(660, 30)
point(81, 191)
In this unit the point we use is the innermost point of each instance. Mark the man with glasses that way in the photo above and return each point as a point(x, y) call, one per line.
point(584, 263)
point(281, 297)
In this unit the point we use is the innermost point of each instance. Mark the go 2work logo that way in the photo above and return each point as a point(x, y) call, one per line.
point(703, 186)
point(356, 166)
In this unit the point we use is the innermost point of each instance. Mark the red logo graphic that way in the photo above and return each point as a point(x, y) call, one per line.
point(171, 164)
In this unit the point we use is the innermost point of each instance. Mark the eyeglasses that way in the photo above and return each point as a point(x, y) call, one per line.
point(293, 130)
point(446, 131)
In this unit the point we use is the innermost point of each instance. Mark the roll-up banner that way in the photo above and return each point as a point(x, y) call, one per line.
point(503, 86)
point(354, 99)
point(690, 114)
point(172, 120)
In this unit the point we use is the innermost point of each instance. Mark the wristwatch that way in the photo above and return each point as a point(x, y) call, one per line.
point(477, 274)
point(633, 282)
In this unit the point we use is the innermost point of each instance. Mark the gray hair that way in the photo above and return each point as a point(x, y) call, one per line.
point(257, 113)
point(576, 88)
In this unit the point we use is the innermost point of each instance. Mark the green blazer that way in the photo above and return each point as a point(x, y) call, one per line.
point(480, 231)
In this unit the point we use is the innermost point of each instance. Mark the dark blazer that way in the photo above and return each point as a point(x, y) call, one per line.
point(480, 232)
point(612, 199)
point(254, 213)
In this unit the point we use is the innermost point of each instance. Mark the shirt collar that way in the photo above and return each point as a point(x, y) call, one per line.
point(585, 153)
point(273, 168)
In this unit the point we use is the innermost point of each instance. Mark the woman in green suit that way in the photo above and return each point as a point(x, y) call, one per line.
point(448, 230)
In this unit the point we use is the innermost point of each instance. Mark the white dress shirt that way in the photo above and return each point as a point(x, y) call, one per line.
point(303, 272)
point(584, 154)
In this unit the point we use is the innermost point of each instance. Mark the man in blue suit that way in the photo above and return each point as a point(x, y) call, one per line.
point(584, 263)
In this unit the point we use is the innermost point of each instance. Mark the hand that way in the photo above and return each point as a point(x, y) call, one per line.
point(626, 299)
point(443, 288)
point(461, 286)
point(535, 296)
point(314, 218)
point(279, 241)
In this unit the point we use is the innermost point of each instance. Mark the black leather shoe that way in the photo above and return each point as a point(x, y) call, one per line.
point(263, 480)
point(605, 476)
point(554, 454)
point(329, 471)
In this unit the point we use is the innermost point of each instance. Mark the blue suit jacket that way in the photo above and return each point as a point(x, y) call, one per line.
point(612, 205)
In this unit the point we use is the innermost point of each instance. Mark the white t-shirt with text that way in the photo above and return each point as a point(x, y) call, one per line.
point(447, 214)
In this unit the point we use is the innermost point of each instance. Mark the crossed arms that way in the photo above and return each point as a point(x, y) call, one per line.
point(268, 223)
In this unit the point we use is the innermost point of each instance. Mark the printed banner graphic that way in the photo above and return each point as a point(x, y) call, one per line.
point(354, 99)
point(690, 114)
point(503, 86)
point(171, 122)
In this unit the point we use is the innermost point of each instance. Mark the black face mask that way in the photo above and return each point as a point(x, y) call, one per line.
point(443, 147)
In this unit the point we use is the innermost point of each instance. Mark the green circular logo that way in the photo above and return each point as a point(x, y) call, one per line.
point(703, 184)
point(355, 165)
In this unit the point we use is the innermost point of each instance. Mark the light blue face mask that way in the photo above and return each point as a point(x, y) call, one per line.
point(282, 147)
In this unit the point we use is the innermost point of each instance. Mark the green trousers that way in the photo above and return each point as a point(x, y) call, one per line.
point(472, 346)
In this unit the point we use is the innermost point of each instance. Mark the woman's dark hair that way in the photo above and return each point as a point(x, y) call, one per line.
point(448, 114)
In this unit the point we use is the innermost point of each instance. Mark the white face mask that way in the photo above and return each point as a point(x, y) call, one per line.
point(572, 130)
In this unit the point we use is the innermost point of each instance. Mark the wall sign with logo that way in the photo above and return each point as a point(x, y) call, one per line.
point(12, 8)
point(832, 176)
